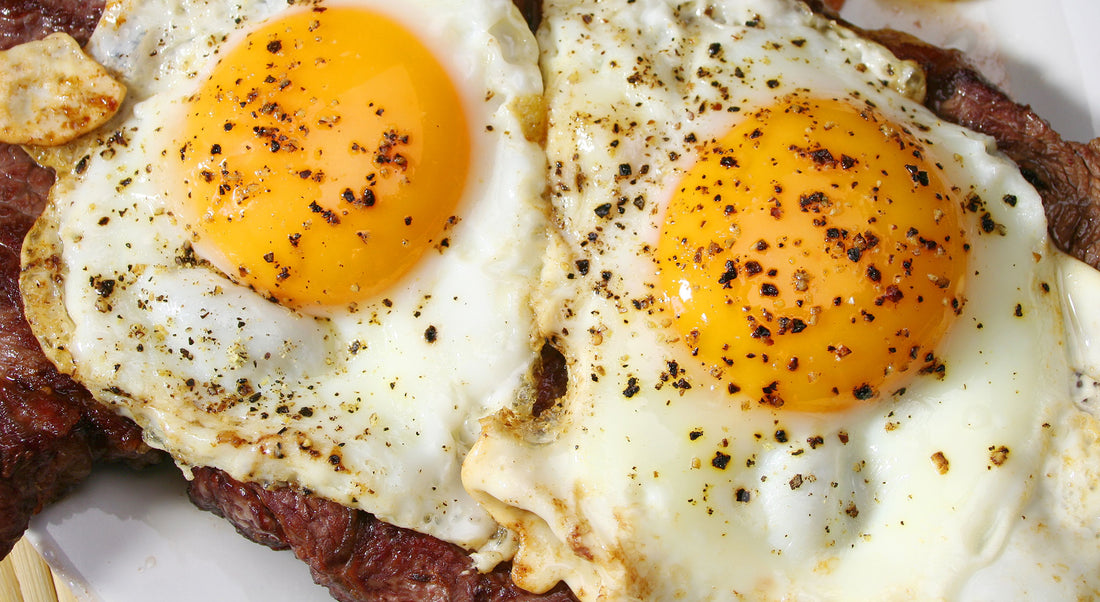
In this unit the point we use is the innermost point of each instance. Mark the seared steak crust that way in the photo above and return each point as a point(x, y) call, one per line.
point(26, 20)
point(355, 555)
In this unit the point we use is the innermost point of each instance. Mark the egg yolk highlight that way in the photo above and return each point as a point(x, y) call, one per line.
point(325, 153)
point(813, 257)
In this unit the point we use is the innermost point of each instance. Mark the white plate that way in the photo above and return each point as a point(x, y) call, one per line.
point(126, 537)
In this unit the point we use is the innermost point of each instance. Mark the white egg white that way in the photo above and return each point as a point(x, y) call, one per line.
point(373, 406)
point(652, 483)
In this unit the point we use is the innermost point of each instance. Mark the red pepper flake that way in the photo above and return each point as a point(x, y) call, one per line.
point(893, 293)
point(769, 290)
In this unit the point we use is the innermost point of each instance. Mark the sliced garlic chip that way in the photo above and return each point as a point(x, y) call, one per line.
point(51, 92)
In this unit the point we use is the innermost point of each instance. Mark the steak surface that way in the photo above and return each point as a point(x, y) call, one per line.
point(355, 555)
point(27, 20)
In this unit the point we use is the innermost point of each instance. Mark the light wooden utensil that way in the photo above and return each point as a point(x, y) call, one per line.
point(25, 577)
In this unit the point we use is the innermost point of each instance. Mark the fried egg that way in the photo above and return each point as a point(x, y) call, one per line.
point(302, 251)
point(816, 338)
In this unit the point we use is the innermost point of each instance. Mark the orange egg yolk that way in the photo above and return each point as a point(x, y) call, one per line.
point(323, 156)
point(813, 257)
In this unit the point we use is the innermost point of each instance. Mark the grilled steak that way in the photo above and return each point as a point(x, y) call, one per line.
point(355, 555)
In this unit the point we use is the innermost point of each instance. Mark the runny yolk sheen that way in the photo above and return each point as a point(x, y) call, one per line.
point(813, 257)
point(325, 153)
